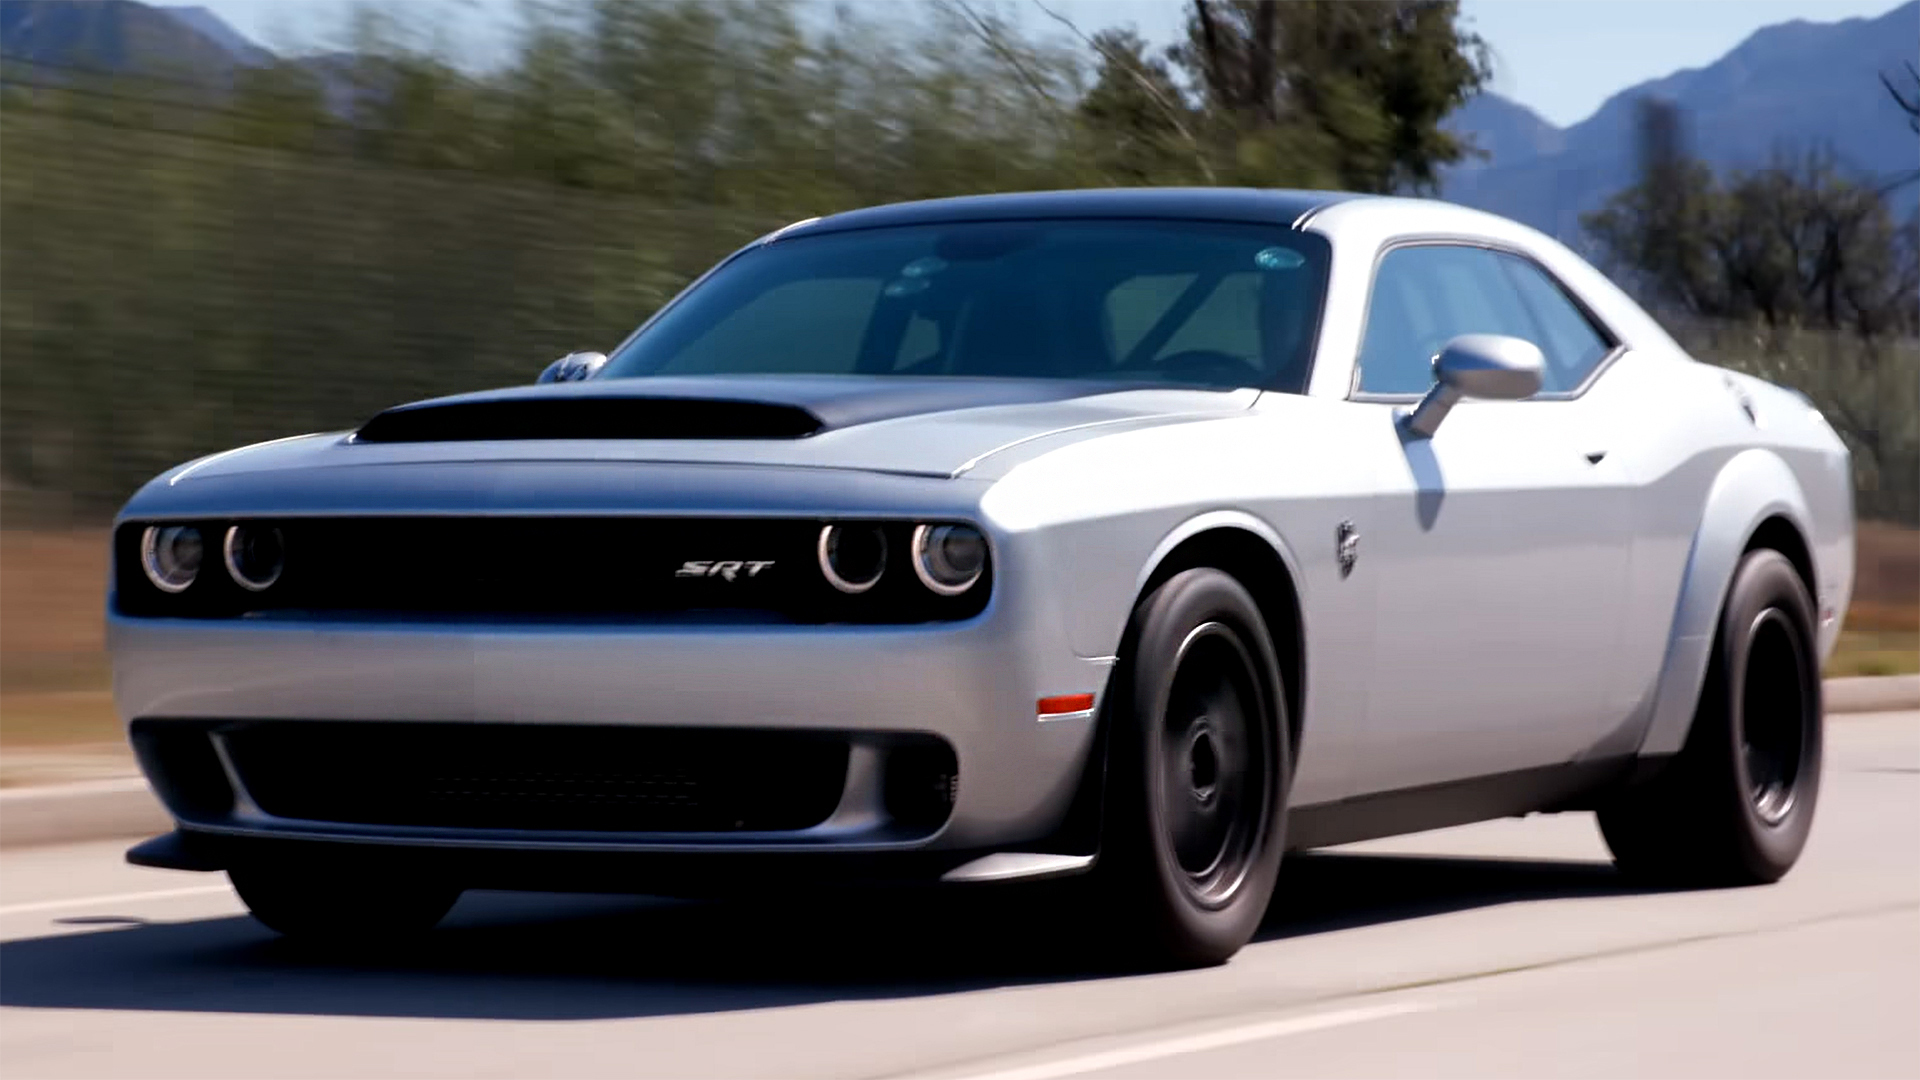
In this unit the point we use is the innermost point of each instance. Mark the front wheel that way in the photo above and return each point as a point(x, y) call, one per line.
point(1735, 806)
point(1197, 776)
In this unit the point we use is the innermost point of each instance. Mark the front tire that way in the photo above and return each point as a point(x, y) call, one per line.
point(1197, 776)
point(1735, 805)
point(342, 903)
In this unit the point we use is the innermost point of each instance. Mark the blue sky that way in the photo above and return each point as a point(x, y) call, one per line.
point(1560, 57)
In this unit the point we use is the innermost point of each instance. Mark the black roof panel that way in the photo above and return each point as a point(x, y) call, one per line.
point(1200, 204)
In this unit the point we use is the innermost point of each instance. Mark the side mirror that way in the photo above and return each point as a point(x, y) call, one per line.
point(1478, 366)
point(573, 367)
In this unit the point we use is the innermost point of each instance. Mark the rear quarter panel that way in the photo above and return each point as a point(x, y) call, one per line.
point(1727, 453)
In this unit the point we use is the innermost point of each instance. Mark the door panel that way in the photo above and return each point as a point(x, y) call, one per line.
point(1503, 565)
point(1504, 539)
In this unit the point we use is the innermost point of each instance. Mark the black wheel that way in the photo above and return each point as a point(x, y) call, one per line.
point(1734, 807)
point(1197, 776)
point(341, 902)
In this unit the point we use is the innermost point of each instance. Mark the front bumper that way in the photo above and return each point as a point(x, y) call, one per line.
point(972, 684)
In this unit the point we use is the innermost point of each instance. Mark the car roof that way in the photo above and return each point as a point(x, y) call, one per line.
point(1197, 204)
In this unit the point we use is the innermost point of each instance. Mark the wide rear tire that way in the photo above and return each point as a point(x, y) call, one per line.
point(1197, 777)
point(1735, 805)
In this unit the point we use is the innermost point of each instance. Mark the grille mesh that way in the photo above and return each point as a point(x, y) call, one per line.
point(554, 777)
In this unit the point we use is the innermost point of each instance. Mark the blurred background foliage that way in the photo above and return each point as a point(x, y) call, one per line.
point(189, 265)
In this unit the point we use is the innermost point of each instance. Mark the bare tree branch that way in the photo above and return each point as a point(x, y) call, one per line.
point(1260, 65)
point(990, 37)
point(1908, 105)
point(1125, 63)
point(1213, 63)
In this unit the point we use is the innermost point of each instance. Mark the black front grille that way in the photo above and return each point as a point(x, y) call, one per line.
point(537, 776)
point(567, 568)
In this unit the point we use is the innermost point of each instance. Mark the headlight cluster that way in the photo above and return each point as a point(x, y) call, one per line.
point(948, 559)
point(175, 556)
point(647, 569)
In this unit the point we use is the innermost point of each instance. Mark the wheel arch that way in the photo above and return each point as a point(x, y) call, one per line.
point(1249, 550)
point(1755, 502)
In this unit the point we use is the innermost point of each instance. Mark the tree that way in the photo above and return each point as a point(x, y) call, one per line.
point(1139, 126)
point(1347, 92)
point(1797, 243)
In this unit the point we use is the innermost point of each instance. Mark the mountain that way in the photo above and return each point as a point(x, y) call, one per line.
point(60, 40)
point(216, 30)
point(113, 36)
point(1787, 88)
point(1504, 130)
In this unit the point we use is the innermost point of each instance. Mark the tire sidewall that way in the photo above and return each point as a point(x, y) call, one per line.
point(1767, 580)
point(1163, 623)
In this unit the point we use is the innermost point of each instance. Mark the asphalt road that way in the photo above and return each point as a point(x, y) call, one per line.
point(1505, 949)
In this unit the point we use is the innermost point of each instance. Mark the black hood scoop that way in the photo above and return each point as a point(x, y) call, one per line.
point(589, 418)
point(711, 406)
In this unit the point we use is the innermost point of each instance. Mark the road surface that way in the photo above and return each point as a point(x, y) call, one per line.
point(1504, 949)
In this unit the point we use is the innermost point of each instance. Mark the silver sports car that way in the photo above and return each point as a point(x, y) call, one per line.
point(1130, 538)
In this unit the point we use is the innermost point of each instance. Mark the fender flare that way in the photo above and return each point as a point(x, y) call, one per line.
point(1220, 519)
point(1753, 486)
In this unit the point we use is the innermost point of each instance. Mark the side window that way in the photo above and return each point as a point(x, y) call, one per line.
point(1423, 297)
point(1226, 319)
point(1573, 346)
point(919, 343)
point(1136, 305)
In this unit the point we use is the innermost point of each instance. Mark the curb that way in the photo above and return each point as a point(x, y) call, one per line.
point(117, 809)
point(1872, 693)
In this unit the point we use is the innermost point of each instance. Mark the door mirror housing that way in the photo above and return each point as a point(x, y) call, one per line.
point(573, 367)
point(1491, 366)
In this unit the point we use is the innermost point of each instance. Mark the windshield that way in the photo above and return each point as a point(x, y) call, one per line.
point(1198, 302)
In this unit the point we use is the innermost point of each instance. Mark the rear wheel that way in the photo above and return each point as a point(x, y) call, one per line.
point(341, 902)
point(1197, 776)
point(1735, 806)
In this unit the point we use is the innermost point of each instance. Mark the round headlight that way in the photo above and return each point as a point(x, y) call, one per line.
point(255, 555)
point(852, 557)
point(949, 558)
point(170, 554)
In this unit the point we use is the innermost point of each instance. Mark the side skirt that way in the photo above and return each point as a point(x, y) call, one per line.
point(1460, 802)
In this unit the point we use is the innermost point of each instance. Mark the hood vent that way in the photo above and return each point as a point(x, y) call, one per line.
point(589, 418)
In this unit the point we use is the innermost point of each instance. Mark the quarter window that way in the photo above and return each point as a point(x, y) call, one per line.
point(1423, 296)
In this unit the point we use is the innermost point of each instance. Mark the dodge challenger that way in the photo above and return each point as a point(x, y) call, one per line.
point(1128, 539)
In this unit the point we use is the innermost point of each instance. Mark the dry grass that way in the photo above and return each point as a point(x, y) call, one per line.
point(54, 677)
point(53, 668)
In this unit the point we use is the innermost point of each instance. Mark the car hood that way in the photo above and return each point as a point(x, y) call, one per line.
point(919, 426)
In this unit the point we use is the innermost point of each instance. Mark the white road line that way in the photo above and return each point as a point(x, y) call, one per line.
point(116, 898)
point(1190, 1044)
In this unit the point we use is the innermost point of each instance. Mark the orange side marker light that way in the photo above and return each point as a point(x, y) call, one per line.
point(1065, 703)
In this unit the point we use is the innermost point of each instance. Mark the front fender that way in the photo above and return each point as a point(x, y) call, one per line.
point(1753, 486)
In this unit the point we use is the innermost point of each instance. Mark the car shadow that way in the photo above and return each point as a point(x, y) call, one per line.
point(546, 957)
